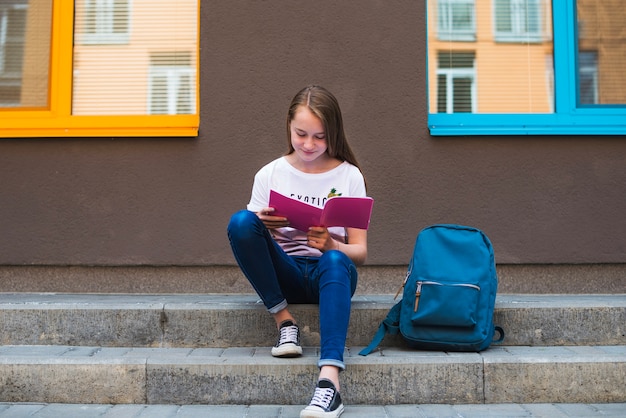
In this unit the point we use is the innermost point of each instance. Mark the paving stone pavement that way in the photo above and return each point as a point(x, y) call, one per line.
point(38, 410)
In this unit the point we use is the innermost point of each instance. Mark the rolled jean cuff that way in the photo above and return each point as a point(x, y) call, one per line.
point(330, 362)
point(277, 308)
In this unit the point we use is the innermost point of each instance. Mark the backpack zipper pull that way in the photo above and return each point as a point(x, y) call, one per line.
point(418, 292)
point(408, 273)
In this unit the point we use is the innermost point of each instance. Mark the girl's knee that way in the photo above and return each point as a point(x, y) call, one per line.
point(241, 219)
point(241, 224)
point(335, 258)
point(242, 216)
point(338, 262)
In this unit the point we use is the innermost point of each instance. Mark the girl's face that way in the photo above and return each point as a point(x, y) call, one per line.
point(308, 137)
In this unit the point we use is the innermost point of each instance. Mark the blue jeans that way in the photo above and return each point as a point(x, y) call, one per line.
point(279, 279)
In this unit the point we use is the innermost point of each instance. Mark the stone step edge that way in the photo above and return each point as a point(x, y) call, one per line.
point(226, 301)
point(215, 301)
point(218, 320)
point(501, 374)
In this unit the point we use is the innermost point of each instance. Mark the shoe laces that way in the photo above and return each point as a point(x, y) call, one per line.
point(288, 334)
point(323, 397)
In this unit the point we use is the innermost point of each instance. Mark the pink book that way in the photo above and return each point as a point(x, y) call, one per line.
point(350, 212)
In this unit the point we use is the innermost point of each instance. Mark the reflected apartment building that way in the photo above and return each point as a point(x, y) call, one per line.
point(128, 58)
point(497, 56)
point(601, 52)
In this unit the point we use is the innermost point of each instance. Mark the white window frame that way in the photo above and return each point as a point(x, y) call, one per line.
point(105, 15)
point(453, 73)
point(173, 75)
point(445, 21)
point(520, 12)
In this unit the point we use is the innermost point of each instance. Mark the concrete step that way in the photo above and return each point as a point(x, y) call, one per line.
point(221, 320)
point(251, 376)
point(605, 410)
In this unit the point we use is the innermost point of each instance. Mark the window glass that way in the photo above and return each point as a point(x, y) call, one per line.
point(25, 27)
point(132, 58)
point(601, 52)
point(534, 67)
point(507, 69)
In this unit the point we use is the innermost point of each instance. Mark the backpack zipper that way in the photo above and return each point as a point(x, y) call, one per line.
point(418, 293)
point(418, 288)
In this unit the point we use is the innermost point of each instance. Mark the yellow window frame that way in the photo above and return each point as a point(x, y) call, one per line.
point(57, 120)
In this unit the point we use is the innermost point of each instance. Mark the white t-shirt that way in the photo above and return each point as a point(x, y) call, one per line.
point(314, 189)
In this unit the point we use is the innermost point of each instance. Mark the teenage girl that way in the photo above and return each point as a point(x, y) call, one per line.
point(285, 265)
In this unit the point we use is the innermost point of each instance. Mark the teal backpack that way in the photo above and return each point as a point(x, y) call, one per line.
point(449, 293)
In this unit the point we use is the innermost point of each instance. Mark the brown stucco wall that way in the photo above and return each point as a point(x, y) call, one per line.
point(121, 201)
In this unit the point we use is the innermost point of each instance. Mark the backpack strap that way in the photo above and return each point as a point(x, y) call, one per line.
point(390, 325)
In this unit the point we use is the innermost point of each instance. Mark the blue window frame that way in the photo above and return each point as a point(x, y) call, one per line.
point(573, 87)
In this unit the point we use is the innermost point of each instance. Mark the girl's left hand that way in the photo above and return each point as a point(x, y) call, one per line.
point(319, 237)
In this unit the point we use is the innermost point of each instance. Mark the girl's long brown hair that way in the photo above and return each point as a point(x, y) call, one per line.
point(324, 105)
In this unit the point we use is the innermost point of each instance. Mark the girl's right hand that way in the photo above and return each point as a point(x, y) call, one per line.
point(270, 221)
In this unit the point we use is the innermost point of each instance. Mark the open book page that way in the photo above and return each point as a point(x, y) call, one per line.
point(350, 212)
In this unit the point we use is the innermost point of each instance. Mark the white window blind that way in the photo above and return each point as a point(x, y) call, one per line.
point(135, 57)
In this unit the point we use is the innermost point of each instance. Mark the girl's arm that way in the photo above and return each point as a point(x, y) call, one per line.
point(355, 248)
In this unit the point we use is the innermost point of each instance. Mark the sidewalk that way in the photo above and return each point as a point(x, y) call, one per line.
point(352, 411)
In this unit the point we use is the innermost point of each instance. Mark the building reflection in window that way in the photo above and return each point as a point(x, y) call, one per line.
point(601, 52)
point(491, 56)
